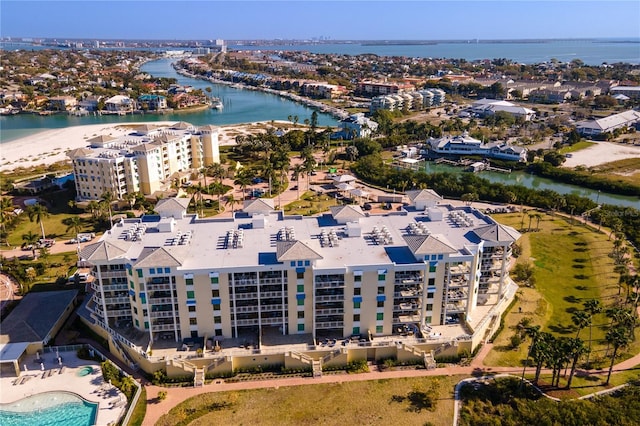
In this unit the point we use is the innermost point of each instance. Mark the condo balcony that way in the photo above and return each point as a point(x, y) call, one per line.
point(407, 307)
point(334, 311)
point(160, 287)
point(403, 319)
point(163, 327)
point(328, 284)
point(329, 324)
point(160, 300)
point(329, 298)
point(161, 314)
point(457, 295)
point(111, 274)
point(110, 287)
point(112, 300)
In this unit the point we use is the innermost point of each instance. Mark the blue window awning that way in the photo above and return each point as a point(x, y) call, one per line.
point(132, 293)
point(216, 301)
point(382, 271)
point(191, 302)
point(300, 270)
point(381, 298)
point(300, 296)
point(357, 299)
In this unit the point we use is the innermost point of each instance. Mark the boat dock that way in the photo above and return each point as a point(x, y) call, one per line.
point(472, 166)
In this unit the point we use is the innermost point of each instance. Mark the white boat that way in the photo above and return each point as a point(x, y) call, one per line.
point(216, 103)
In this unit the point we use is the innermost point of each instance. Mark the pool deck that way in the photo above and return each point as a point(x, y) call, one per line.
point(92, 387)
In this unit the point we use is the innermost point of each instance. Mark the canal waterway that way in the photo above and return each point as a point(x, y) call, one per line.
point(535, 182)
point(240, 106)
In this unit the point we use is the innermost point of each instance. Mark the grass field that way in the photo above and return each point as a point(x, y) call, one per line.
point(411, 401)
point(575, 147)
point(310, 204)
point(627, 170)
point(571, 264)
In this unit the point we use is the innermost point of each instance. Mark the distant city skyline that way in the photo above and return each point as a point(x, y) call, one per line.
point(334, 20)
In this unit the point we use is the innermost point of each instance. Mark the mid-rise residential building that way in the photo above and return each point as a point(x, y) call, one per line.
point(173, 276)
point(417, 100)
point(144, 161)
point(467, 145)
point(377, 88)
point(356, 126)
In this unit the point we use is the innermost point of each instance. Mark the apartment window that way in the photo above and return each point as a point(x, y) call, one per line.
point(152, 271)
point(356, 318)
point(188, 281)
point(191, 294)
point(356, 330)
point(217, 320)
point(431, 282)
point(307, 263)
point(191, 308)
point(430, 295)
point(132, 285)
point(380, 304)
point(427, 320)
point(378, 329)
point(218, 332)
point(215, 280)
point(357, 291)
point(167, 270)
point(357, 278)
point(145, 313)
point(139, 271)
point(429, 306)
point(146, 325)
point(293, 263)
point(137, 323)
point(300, 275)
point(432, 268)
point(300, 302)
point(193, 321)
point(135, 310)
point(300, 288)
point(380, 290)
point(215, 293)
point(356, 305)
point(300, 327)
point(382, 277)
point(216, 306)
point(379, 316)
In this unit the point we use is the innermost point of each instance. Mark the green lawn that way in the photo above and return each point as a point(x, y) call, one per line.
point(572, 265)
point(575, 147)
point(310, 204)
point(376, 402)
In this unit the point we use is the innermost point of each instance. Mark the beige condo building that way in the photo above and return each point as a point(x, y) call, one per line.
point(430, 275)
point(144, 161)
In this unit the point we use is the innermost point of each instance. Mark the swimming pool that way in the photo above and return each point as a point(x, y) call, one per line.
point(49, 409)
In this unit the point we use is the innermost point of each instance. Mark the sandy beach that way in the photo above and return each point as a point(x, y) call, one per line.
point(600, 153)
point(50, 146)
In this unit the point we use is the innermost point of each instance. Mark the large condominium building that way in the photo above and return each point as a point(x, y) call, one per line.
point(145, 160)
point(175, 276)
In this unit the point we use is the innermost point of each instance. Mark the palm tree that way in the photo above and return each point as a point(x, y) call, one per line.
point(31, 239)
point(577, 349)
point(592, 307)
point(107, 198)
point(581, 319)
point(242, 180)
point(297, 171)
point(37, 213)
point(540, 351)
point(537, 216)
point(6, 206)
point(231, 200)
point(618, 338)
point(534, 333)
point(530, 219)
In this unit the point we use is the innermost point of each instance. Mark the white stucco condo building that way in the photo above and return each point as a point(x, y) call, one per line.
point(143, 161)
point(437, 273)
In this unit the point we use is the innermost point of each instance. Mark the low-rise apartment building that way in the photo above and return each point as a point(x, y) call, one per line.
point(174, 276)
point(466, 145)
point(417, 100)
point(143, 161)
point(608, 124)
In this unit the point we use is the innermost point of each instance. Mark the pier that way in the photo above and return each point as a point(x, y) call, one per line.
point(473, 166)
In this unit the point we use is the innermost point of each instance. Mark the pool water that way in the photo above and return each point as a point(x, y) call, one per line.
point(49, 409)
point(84, 371)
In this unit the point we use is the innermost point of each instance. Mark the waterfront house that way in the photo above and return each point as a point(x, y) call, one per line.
point(62, 103)
point(464, 144)
point(356, 126)
point(152, 102)
point(119, 103)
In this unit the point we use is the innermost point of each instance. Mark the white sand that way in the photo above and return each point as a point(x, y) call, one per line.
point(50, 146)
point(600, 153)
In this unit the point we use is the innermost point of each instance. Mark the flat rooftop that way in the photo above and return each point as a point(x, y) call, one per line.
point(203, 243)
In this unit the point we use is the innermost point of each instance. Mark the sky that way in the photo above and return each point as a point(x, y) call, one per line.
point(307, 19)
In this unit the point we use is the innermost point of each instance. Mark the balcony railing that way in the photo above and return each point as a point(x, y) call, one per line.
point(112, 274)
point(110, 300)
point(160, 300)
point(158, 287)
point(329, 298)
point(329, 284)
point(163, 327)
point(161, 314)
point(330, 324)
point(338, 311)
